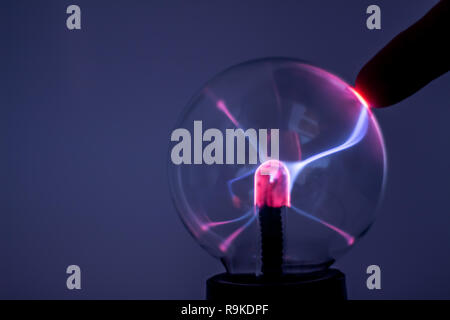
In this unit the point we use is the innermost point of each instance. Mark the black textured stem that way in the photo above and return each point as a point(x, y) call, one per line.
point(271, 224)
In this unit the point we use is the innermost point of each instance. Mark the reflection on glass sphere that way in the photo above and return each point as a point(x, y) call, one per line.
point(330, 151)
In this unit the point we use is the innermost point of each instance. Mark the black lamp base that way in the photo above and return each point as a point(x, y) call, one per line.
point(324, 285)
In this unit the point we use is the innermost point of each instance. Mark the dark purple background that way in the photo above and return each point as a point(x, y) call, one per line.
point(86, 118)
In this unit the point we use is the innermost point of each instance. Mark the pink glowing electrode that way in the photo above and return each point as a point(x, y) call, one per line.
point(272, 181)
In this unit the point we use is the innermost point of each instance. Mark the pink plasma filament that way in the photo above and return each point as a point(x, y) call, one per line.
point(272, 181)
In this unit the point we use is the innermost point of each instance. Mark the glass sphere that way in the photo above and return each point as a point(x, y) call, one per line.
point(287, 117)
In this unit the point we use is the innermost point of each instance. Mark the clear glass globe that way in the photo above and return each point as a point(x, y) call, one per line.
point(330, 164)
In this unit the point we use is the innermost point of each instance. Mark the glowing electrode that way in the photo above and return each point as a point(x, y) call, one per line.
point(271, 197)
point(272, 184)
